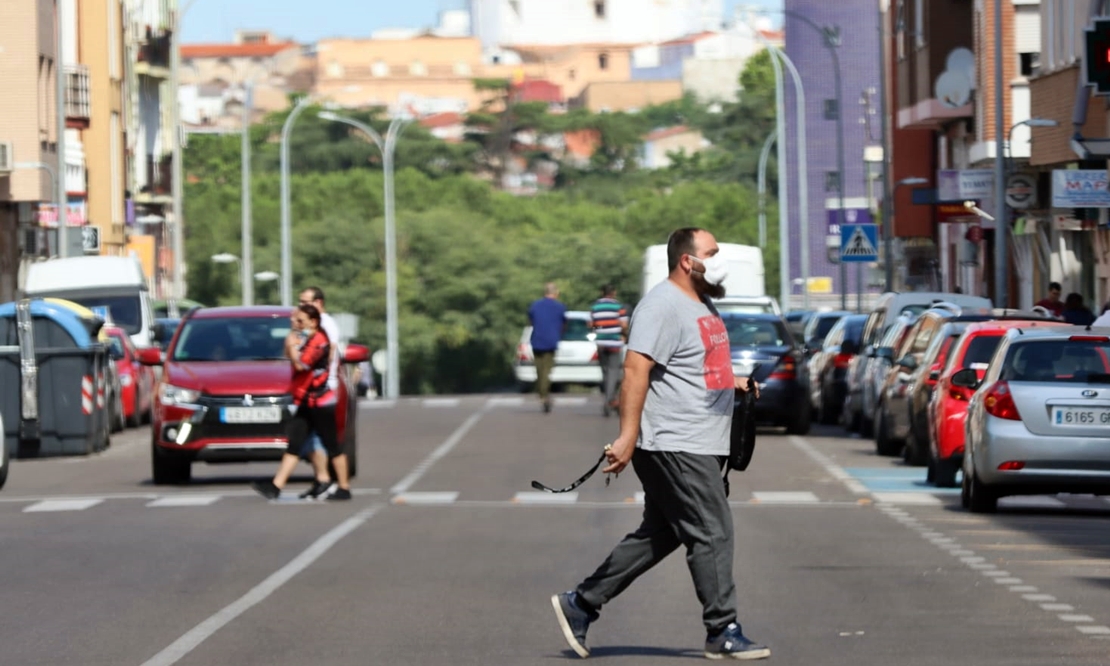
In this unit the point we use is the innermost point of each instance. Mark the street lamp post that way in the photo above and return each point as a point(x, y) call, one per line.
point(177, 187)
point(387, 146)
point(888, 228)
point(763, 156)
point(246, 267)
point(286, 223)
point(1002, 226)
point(228, 258)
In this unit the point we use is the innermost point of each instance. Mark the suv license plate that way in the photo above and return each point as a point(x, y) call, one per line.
point(268, 414)
point(1081, 416)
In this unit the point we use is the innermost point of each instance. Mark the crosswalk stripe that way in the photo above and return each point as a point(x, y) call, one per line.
point(528, 497)
point(785, 497)
point(563, 401)
point(1033, 502)
point(425, 498)
point(908, 498)
point(516, 401)
point(377, 404)
point(441, 402)
point(184, 500)
point(62, 505)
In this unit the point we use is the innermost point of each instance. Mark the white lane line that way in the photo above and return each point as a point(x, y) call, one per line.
point(1022, 588)
point(443, 449)
point(1058, 608)
point(785, 498)
point(908, 498)
point(834, 470)
point(529, 497)
point(995, 573)
point(188, 642)
point(185, 500)
point(1032, 502)
point(377, 404)
point(517, 401)
point(571, 402)
point(440, 402)
point(1094, 630)
point(1038, 597)
point(446, 497)
point(62, 505)
point(1076, 618)
point(1016, 582)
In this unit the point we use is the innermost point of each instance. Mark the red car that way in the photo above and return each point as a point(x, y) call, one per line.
point(948, 406)
point(224, 391)
point(136, 381)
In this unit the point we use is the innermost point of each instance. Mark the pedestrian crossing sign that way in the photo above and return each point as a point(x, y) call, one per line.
point(859, 242)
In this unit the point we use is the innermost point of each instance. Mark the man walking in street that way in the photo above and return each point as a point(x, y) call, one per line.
point(1052, 302)
point(548, 317)
point(609, 323)
point(676, 415)
point(315, 296)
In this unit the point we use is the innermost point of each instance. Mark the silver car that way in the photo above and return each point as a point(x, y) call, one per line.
point(1039, 422)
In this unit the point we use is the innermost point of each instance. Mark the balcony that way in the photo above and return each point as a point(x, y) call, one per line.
point(77, 96)
point(154, 54)
point(157, 184)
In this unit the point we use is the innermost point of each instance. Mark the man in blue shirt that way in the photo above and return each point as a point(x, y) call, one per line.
point(548, 317)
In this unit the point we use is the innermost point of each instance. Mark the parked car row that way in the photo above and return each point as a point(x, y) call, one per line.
point(1016, 401)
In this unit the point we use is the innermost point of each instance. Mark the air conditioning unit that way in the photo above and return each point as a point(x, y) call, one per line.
point(7, 158)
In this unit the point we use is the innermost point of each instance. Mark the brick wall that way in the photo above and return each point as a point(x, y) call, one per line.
point(985, 31)
point(1053, 96)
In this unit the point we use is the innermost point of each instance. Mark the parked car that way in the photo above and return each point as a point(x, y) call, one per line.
point(891, 418)
point(136, 380)
point(827, 374)
point(796, 321)
point(947, 408)
point(763, 339)
point(164, 328)
point(744, 304)
point(1038, 421)
point(576, 359)
point(817, 327)
point(920, 390)
point(3, 456)
point(867, 371)
point(223, 395)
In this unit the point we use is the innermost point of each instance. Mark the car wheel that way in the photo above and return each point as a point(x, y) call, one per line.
point(136, 417)
point(119, 419)
point(884, 445)
point(169, 470)
point(913, 452)
point(801, 425)
point(976, 497)
point(3, 460)
point(944, 475)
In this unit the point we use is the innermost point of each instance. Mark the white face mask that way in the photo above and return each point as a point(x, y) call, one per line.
point(716, 270)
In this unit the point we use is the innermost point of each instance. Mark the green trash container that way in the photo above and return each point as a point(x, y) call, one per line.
point(51, 355)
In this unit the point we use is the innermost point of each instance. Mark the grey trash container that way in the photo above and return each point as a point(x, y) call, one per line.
point(57, 369)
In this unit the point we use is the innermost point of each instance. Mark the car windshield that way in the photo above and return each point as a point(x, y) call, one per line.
point(824, 325)
point(980, 350)
point(232, 339)
point(576, 330)
point(750, 332)
point(115, 347)
point(124, 311)
point(1073, 361)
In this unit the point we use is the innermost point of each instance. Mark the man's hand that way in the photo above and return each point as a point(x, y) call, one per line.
point(743, 384)
point(618, 454)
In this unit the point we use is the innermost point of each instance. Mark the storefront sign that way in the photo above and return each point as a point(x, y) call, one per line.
point(960, 184)
point(47, 215)
point(954, 213)
point(1080, 188)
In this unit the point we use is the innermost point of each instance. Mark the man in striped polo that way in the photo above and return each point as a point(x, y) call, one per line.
point(609, 322)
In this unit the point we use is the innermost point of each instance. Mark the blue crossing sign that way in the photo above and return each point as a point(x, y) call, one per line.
point(859, 243)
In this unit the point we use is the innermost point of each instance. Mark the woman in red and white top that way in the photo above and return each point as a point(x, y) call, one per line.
point(308, 349)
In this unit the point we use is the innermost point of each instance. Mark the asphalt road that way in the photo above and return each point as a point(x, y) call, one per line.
point(447, 556)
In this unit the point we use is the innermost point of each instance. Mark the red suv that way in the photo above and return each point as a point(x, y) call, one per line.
point(948, 406)
point(224, 391)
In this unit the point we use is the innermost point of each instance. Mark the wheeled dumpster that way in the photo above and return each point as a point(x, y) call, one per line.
point(54, 372)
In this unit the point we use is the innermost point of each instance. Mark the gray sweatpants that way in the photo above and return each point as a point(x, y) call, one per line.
point(611, 372)
point(684, 504)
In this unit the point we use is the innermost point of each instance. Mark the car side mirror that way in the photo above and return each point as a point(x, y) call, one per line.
point(934, 375)
point(966, 378)
point(356, 353)
point(150, 356)
point(908, 362)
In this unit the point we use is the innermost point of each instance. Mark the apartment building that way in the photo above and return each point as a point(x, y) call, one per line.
point(28, 127)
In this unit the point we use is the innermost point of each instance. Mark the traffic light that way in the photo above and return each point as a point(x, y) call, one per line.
point(1097, 60)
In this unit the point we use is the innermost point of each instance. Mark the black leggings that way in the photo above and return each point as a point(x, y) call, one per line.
point(320, 420)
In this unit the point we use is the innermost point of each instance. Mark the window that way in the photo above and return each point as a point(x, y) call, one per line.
point(919, 23)
point(603, 61)
point(832, 181)
point(418, 68)
point(831, 109)
point(599, 9)
point(334, 69)
point(462, 69)
point(379, 69)
point(1029, 64)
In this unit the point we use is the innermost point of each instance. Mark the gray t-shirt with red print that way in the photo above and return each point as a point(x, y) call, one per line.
point(691, 388)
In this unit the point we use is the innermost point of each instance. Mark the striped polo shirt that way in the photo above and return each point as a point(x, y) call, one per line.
point(608, 317)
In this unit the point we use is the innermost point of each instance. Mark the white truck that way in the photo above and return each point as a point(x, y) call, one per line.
point(744, 287)
point(114, 286)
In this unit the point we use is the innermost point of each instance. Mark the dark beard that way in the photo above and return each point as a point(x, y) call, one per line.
point(705, 289)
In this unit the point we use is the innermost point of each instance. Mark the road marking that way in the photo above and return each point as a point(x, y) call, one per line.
point(834, 470)
point(517, 401)
point(1059, 608)
point(188, 642)
point(784, 497)
point(1075, 618)
point(443, 449)
point(377, 404)
point(1038, 597)
point(908, 498)
point(1094, 630)
point(1022, 588)
point(1016, 582)
point(530, 497)
point(185, 500)
point(62, 505)
point(1032, 502)
point(440, 402)
point(563, 401)
point(996, 572)
point(426, 498)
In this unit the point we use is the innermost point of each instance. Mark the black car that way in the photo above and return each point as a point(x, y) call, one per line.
point(827, 369)
point(764, 341)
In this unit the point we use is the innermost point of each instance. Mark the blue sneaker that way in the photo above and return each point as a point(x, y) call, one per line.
point(573, 621)
point(732, 644)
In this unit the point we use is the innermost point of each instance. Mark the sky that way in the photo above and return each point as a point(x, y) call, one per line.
point(310, 20)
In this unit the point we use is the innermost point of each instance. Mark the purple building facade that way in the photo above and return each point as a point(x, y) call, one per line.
point(858, 51)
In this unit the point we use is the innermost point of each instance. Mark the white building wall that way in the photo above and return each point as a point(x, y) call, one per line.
point(535, 22)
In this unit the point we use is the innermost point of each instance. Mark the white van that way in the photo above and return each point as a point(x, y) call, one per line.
point(745, 269)
point(113, 286)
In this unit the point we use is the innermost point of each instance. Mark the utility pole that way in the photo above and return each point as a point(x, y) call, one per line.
point(1002, 223)
point(246, 265)
point(60, 199)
